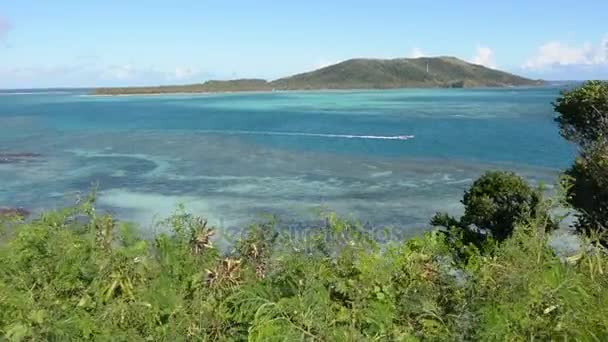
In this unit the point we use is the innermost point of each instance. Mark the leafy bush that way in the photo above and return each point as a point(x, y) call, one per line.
point(494, 205)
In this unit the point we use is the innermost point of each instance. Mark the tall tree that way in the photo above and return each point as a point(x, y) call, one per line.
point(583, 119)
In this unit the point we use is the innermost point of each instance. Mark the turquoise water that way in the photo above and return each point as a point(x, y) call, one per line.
point(387, 157)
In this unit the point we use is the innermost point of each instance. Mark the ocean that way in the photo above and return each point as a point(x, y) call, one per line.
point(389, 158)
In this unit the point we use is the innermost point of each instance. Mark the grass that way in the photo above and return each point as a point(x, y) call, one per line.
point(78, 274)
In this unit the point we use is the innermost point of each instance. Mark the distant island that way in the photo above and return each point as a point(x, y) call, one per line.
point(424, 72)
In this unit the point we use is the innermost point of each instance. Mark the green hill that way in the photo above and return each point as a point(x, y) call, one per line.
point(426, 72)
point(402, 73)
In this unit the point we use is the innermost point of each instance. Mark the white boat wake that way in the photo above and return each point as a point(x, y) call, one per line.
point(322, 135)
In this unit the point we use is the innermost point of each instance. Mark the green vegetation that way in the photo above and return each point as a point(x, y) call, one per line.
point(493, 207)
point(402, 73)
point(583, 113)
point(359, 74)
point(583, 120)
point(207, 87)
point(79, 275)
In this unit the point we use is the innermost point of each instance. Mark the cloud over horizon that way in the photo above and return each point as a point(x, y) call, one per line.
point(96, 75)
point(558, 54)
point(484, 56)
point(417, 53)
point(553, 61)
point(131, 74)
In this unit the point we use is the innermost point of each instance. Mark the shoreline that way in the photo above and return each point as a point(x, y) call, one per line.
point(320, 90)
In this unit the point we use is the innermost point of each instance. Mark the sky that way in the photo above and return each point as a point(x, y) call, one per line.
point(66, 43)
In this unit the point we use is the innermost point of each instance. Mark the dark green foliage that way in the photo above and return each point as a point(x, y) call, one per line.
point(76, 275)
point(583, 119)
point(583, 113)
point(588, 191)
point(497, 201)
point(493, 206)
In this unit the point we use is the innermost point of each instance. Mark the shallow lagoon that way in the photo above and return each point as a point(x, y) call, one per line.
point(234, 157)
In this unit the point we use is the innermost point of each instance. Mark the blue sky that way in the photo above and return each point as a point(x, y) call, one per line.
point(98, 43)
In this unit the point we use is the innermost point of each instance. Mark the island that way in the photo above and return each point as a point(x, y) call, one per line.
point(423, 72)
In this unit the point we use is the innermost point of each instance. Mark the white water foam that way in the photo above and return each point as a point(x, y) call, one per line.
point(304, 134)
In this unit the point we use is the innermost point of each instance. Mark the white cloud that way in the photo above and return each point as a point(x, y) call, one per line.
point(417, 53)
point(43, 76)
point(556, 53)
point(119, 72)
point(184, 73)
point(32, 72)
point(131, 73)
point(95, 74)
point(485, 56)
point(323, 63)
point(603, 55)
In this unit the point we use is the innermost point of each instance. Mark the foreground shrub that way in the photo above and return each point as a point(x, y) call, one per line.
point(79, 275)
point(524, 292)
point(494, 204)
